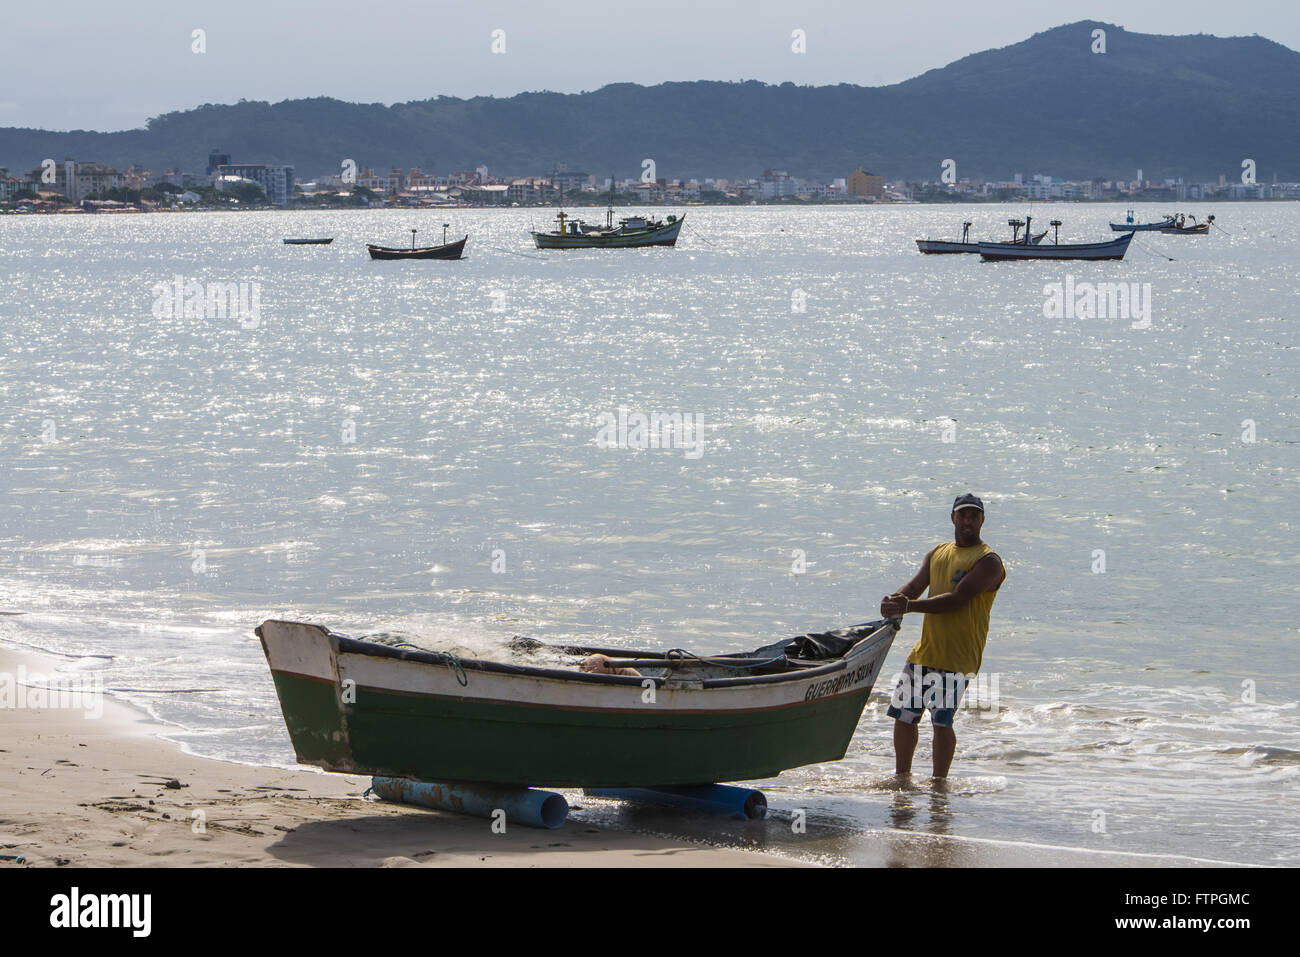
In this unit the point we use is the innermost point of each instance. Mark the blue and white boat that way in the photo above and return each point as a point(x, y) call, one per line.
point(1112, 249)
point(1131, 225)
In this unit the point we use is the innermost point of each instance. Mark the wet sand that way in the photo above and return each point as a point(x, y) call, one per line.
point(108, 792)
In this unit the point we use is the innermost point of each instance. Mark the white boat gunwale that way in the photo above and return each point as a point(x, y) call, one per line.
point(884, 631)
point(349, 645)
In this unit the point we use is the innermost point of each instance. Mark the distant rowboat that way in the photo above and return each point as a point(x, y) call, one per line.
point(309, 242)
point(1180, 228)
point(1130, 225)
point(943, 246)
point(445, 251)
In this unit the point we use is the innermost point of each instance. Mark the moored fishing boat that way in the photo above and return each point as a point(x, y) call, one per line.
point(631, 232)
point(1131, 225)
point(365, 707)
point(1111, 249)
point(1180, 227)
point(445, 251)
point(942, 246)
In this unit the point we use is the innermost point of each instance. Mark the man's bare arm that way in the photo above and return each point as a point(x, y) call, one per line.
point(985, 576)
point(913, 589)
point(920, 581)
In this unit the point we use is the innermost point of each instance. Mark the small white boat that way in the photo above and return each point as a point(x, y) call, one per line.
point(942, 246)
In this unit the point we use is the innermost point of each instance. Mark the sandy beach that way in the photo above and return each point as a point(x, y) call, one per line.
point(108, 792)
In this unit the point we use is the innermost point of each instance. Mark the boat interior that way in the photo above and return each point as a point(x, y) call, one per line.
point(813, 650)
point(782, 657)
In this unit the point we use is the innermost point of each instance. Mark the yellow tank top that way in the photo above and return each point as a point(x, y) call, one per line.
point(954, 640)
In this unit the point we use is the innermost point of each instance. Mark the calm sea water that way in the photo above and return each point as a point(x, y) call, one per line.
point(362, 449)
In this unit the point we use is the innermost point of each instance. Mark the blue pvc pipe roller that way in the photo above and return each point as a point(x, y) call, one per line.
point(742, 803)
point(527, 806)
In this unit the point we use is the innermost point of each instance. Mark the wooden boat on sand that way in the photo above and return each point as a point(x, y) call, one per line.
point(371, 706)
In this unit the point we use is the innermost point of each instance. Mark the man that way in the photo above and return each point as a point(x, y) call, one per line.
point(963, 576)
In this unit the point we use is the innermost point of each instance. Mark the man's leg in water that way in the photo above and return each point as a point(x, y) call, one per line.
point(945, 746)
point(905, 736)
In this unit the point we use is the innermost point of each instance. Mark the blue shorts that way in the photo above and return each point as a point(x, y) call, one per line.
point(934, 689)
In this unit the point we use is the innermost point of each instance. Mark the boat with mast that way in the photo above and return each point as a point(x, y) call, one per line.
point(942, 246)
point(1131, 225)
point(445, 251)
point(1180, 227)
point(1112, 249)
point(631, 232)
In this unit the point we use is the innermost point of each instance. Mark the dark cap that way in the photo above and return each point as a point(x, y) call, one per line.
point(967, 501)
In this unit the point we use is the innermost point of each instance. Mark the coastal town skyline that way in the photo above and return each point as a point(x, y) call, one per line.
point(97, 187)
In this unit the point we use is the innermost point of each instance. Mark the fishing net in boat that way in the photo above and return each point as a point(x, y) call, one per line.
point(393, 640)
point(821, 646)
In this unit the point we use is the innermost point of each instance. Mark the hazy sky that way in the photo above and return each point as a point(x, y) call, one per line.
point(111, 64)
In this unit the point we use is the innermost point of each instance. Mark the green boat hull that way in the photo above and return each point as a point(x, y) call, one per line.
point(662, 236)
point(438, 740)
point(358, 708)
